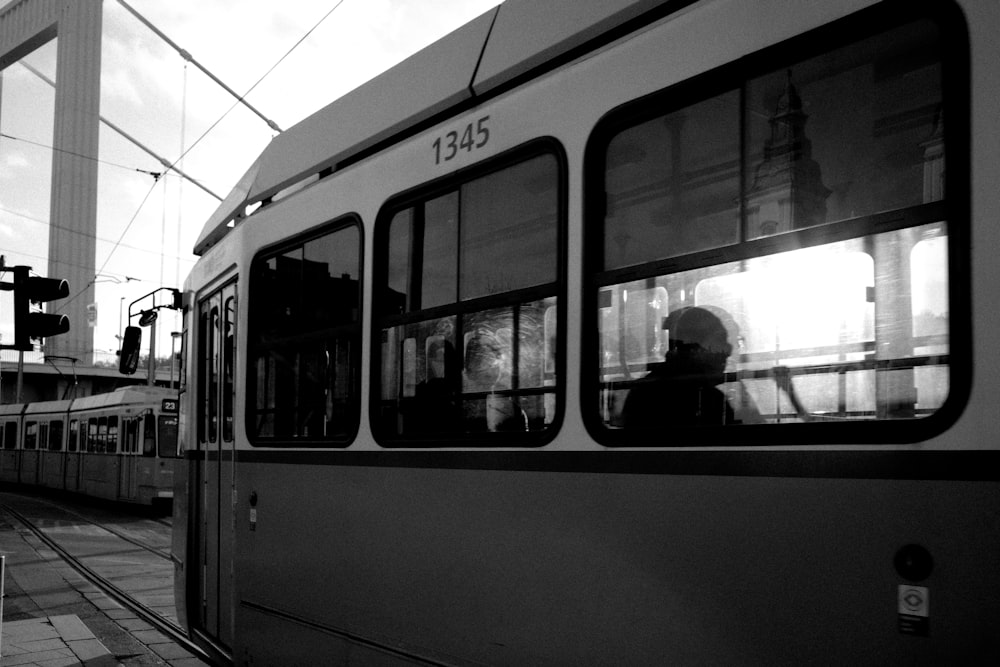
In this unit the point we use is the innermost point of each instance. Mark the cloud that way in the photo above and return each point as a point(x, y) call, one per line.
point(16, 159)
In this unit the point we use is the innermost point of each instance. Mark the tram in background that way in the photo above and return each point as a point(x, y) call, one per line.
point(119, 446)
point(618, 332)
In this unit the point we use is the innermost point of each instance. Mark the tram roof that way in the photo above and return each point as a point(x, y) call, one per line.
point(123, 396)
point(495, 50)
point(43, 407)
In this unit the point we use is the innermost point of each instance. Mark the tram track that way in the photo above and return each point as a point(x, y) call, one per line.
point(114, 531)
point(123, 597)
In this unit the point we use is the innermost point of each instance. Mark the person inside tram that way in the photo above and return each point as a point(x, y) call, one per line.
point(684, 390)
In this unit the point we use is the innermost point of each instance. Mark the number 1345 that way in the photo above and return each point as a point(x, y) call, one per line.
point(473, 136)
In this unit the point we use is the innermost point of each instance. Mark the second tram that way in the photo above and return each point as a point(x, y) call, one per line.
point(119, 446)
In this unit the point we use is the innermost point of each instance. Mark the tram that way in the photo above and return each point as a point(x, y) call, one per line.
point(120, 446)
point(623, 332)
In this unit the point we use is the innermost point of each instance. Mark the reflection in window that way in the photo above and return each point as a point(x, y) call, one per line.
point(847, 134)
point(673, 184)
point(849, 325)
point(484, 257)
point(304, 341)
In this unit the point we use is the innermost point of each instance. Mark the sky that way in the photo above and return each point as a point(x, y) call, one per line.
point(146, 227)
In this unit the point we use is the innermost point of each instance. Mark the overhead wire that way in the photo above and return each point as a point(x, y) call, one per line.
point(154, 174)
point(187, 56)
point(240, 99)
point(259, 81)
point(163, 161)
point(66, 230)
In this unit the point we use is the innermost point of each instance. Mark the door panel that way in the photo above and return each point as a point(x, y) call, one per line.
point(215, 481)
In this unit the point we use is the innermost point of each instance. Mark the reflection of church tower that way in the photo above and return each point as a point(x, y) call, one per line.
point(787, 191)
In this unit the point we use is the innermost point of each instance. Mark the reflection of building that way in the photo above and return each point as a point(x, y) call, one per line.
point(787, 190)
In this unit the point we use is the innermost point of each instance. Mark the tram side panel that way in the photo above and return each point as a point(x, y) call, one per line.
point(520, 567)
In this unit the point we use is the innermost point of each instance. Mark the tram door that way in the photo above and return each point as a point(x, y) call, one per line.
point(215, 483)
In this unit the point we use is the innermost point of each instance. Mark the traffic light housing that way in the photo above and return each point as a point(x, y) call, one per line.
point(35, 289)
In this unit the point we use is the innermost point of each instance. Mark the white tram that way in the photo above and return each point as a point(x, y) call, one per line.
point(612, 332)
point(120, 446)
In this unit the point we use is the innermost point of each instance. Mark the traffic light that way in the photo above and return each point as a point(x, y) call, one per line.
point(34, 289)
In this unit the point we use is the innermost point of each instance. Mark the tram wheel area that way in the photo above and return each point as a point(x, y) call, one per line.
point(44, 596)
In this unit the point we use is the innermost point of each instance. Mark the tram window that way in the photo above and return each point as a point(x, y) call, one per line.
point(10, 435)
point(210, 398)
point(92, 435)
point(149, 435)
point(167, 436)
point(778, 251)
point(201, 416)
point(228, 361)
point(43, 435)
point(130, 443)
point(102, 434)
point(56, 435)
point(74, 435)
point(304, 340)
point(466, 299)
point(30, 435)
point(112, 445)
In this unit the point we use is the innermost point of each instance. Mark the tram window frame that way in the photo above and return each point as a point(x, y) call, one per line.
point(527, 310)
point(275, 419)
point(950, 211)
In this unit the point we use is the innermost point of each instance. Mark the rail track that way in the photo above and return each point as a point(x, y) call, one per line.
point(124, 564)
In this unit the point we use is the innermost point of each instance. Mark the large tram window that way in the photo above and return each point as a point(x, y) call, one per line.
point(74, 435)
point(776, 252)
point(10, 435)
point(305, 327)
point(466, 303)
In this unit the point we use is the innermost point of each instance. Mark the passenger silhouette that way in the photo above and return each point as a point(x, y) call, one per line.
point(683, 389)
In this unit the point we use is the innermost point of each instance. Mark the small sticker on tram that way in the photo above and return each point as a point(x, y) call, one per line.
point(913, 605)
